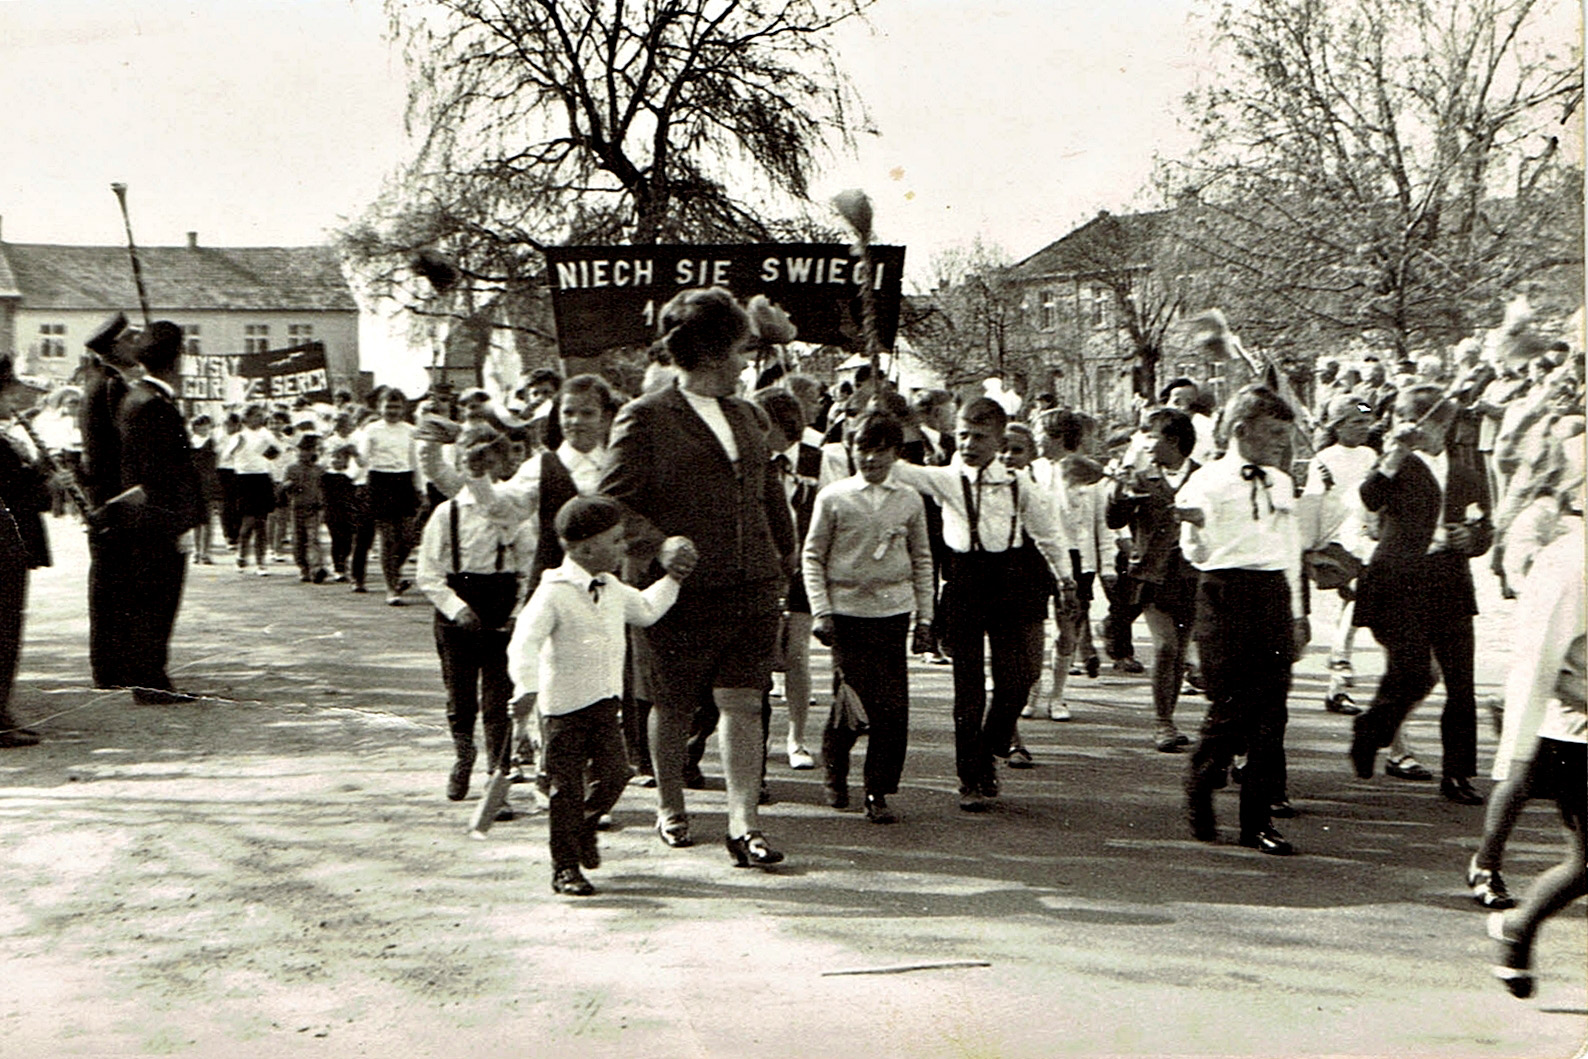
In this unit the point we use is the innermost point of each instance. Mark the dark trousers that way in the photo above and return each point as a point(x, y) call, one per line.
point(585, 768)
point(339, 518)
point(983, 732)
point(108, 575)
point(1243, 631)
point(1124, 607)
point(1409, 650)
point(396, 541)
point(306, 538)
point(363, 535)
point(872, 654)
point(148, 608)
point(13, 601)
point(474, 670)
point(231, 521)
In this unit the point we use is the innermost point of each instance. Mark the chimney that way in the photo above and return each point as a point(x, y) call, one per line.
point(192, 240)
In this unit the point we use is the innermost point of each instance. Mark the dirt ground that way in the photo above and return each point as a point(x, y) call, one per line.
point(274, 872)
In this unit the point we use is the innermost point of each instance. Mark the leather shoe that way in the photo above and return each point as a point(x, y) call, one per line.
point(1488, 889)
point(1362, 754)
point(877, 810)
point(838, 795)
point(972, 801)
point(589, 851)
point(694, 779)
point(1458, 790)
point(18, 737)
point(1406, 768)
point(506, 814)
point(1282, 809)
point(571, 881)
point(1128, 664)
point(674, 833)
point(161, 697)
point(1342, 704)
point(750, 850)
point(1199, 814)
point(1268, 841)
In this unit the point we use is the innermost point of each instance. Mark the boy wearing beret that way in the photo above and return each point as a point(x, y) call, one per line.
point(566, 659)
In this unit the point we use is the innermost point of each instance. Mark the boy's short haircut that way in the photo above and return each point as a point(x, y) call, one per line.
point(1174, 384)
point(584, 517)
point(540, 375)
point(784, 410)
point(985, 412)
point(1022, 429)
point(1175, 425)
point(480, 441)
point(1065, 426)
point(924, 401)
point(807, 388)
point(890, 402)
point(878, 431)
point(592, 384)
point(1417, 400)
point(1258, 402)
point(308, 442)
point(393, 394)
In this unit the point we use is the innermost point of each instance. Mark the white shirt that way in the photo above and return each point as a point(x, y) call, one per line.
point(997, 522)
point(1348, 469)
point(1247, 525)
point(478, 541)
point(389, 447)
point(569, 647)
point(1439, 466)
point(355, 471)
point(710, 409)
point(520, 494)
point(249, 454)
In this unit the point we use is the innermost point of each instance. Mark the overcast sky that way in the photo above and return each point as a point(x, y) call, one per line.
point(256, 122)
point(272, 122)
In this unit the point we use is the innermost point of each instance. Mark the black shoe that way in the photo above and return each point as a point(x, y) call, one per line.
point(1406, 768)
point(838, 795)
point(1128, 664)
point(765, 797)
point(1268, 841)
point(161, 697)
point(694, 779)
point(1193, 679)
point(358, 586)
point(989, 786)
point(571, 882)
point(1199, 815)
point(1020, 758)
point(1457, 789)
point(506, 814)
point(1282, 809)
point(1093, 667)
point(1514, 968)
point(1342, 704)
point(971, 800)
point(877, 810)
point(1362, 754)
point(751, 851)
point(458, 778)
point(1488, 889)
point(589, 851)
point(1237, 773)
point(11, 738)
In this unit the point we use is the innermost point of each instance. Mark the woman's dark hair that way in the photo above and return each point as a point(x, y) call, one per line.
point(784, 410)
point(702, 325)
point(1176, 426)
point(877, 430)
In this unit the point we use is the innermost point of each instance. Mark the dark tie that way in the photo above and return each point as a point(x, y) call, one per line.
point(1251, 472)
point(595, 589)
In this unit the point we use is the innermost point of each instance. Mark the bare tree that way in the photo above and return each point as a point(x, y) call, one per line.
point(1388, 166)
point(965, 328)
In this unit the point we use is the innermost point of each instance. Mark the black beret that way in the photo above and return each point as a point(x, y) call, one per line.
point(103, 337)
point(584, 517)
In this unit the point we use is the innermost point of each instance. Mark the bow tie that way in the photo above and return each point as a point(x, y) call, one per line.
point(781, 462)
point(1251, 472)
point(595, 589)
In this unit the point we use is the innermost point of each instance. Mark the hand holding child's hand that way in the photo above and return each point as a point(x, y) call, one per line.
point(1458, 537)
point(467, 619)
point(678, 557)
point(822, 629)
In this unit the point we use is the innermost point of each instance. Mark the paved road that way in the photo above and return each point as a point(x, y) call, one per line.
point(275, 872)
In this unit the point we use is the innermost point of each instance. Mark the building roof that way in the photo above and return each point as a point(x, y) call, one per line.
point(179, 278)
point(1104, 243)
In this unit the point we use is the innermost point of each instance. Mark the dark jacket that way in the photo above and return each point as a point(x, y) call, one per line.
point(25, 493)
point(156, 454)
point(1149, 513)
point(667, 467)
point(100, 425)
point(1402, 582)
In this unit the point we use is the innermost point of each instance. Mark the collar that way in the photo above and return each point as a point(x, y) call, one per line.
point(572, 457)
point(575, 574)
point(994, 473)
point(161, 385)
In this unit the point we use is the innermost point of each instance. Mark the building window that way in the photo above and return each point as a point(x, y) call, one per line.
point(191, 342)
point(256, 338)
point(1099, 305)
point(1050, 309)
point(298, 334)
point(52, 341)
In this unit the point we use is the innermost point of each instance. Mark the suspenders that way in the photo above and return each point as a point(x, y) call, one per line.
point(973, 511)
point(457, 552)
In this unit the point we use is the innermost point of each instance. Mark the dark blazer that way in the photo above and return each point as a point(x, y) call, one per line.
point(100, 424)
point(666, 466)
point(1402, 581)
point(25, 493)
point(155, 454)
point(1149, 512)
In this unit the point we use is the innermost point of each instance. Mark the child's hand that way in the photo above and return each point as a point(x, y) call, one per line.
point(923, 642)
point(678, 557)
point(822, 629)
point(1301, 634)
point(467, 619)
point(522, 706)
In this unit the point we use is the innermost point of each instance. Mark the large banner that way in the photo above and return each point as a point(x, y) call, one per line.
point(608, 296)
point(278, 375)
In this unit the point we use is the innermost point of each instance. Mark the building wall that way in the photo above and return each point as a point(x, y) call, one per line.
point(218, 332)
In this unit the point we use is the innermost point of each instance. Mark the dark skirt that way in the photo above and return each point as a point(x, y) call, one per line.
point(255, 493)
point(392, 496)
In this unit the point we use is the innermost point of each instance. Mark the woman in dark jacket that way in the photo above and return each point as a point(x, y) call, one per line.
point(692, 461)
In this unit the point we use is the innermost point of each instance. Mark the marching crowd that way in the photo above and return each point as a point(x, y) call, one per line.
point(615, 581)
